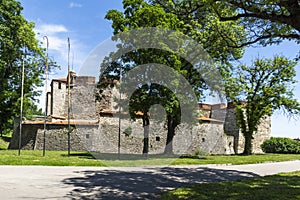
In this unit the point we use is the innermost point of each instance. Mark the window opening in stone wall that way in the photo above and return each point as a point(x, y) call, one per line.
point(59, 85)
point(157, 139)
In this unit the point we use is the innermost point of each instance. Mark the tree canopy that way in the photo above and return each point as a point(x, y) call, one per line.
point(140, 13)
point(18, 43)
point(265, 21)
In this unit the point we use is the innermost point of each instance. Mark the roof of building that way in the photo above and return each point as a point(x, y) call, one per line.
point(139, 113)
point(60, 79)
point(63, 122)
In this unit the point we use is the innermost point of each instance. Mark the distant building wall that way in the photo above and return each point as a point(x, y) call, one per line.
point(56, 138)
point(58, 98)
point(231, 128)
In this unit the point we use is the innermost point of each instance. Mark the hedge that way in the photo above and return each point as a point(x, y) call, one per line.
point(281, 145)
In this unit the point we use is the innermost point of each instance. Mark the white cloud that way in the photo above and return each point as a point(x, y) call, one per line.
point(75, 5)
point(55, 33)
point(52, 28)
point(58, 49)
point(58, 45)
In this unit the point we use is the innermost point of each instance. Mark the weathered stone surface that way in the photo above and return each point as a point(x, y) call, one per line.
point(88, 103)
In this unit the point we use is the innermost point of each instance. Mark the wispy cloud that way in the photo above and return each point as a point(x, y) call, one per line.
point(58, 49)
point(58, 45)
point(75, 5)
point(54, 33)
point(52, 28)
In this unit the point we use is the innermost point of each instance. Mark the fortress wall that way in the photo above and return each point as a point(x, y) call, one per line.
point(88, 103)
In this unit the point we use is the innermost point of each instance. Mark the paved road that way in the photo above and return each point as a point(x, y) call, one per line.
point(36, 182)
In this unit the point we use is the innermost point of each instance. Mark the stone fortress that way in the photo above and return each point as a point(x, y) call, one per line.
point(95, 125)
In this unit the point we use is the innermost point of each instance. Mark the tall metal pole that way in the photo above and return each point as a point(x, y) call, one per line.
point(119, 133)
point(69, 97)
point(21, 106)
point(46, 88)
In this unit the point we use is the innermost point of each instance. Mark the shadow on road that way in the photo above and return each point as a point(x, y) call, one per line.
point(147, 183)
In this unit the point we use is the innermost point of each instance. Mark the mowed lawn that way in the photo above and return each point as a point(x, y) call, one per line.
point(61, 158)
point(284, 186)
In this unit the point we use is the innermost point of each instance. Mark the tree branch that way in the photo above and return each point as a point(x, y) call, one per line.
point(293, 19)
point(263, 37)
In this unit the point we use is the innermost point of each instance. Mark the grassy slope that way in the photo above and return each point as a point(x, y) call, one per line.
point(284, 186)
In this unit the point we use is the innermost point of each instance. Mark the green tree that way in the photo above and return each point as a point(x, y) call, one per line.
point(265, 86)
point(265, 21)
point(17, 37)
point(139, 13)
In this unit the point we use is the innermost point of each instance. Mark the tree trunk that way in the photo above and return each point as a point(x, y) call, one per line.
point(248, 143)
point(146, 124)
point(171, 132)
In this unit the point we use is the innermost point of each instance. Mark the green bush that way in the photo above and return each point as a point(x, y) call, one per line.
point(281, 145)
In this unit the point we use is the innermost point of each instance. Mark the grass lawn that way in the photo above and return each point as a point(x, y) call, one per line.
point(52, 158)
point(60, 158)
point(284, 186)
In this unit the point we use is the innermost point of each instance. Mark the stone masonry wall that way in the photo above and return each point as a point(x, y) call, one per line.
point(88, 105)
point(207, 137)
point(58, 98)
point(56, 137)
point(231, 128)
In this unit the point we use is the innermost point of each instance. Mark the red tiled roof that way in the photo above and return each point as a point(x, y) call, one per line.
point(140, 113)
point(60, 79)
point(63, 122)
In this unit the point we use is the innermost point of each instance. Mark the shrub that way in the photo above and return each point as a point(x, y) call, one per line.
point(281, 145)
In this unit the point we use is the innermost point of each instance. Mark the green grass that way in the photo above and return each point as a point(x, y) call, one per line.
point(137, 160)
point(238, 159)
point(60, 158)
point(52, 158)
point(284, 186)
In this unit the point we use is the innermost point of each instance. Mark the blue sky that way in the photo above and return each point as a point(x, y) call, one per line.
point(83, 22)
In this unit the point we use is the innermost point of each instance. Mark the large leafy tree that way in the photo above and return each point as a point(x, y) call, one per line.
point(139, 13)
point(264, 87)
point(265, 21)
point(17, 42)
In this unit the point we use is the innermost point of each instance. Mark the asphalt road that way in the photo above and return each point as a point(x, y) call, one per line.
point(38, 182)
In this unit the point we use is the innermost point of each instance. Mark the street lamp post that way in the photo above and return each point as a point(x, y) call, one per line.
point(69, 97)
point(21, 106)
point(120, 97)
point(46, 88)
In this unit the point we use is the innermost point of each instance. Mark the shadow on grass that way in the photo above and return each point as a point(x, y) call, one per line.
point(284, 187)
point(115, 156)
point(143, 183)
point(83, 155)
